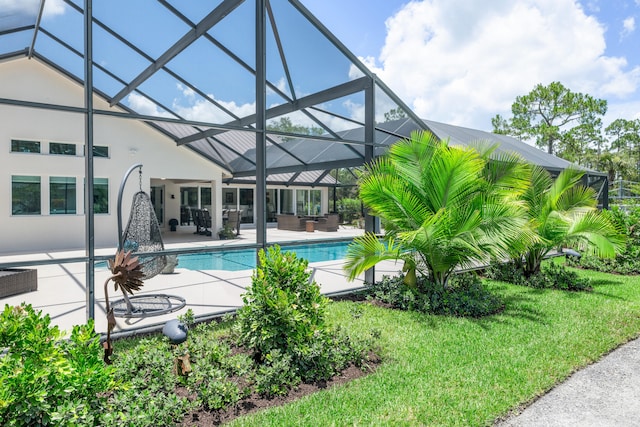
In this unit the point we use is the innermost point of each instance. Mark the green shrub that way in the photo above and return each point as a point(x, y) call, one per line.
point(216, 391)
point(617, 265)
point(205, 350)
point(626, 262)
point(551, 276)
point(506, 272)
point(282, 309)
point(138, 407)
point(330, 353)
point(558, 277)
point(146, 395)
point(283, 323)
point(277, 375)
point(45, 379)
point(349, 209)
point(464, 296)
point(213, 370)
point(394, 292)
point(73, 413)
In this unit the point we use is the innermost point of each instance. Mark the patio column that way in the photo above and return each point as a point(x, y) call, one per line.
point(261, 139)
point(88, 158)
point(371, 224)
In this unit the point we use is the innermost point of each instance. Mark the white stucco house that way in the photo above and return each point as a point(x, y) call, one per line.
point(43, 169)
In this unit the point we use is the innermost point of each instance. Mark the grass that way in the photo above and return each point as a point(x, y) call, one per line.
point(444, 371)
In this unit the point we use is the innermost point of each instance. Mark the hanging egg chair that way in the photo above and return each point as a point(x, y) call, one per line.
point(143, 238)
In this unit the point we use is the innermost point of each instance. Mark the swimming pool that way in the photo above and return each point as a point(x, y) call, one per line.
point(246, 259)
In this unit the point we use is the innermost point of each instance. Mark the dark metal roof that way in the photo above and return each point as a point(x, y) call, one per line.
point(464, 136)
point(330, 155)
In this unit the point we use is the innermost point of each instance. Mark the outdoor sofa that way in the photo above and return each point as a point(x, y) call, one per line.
point(327, 222)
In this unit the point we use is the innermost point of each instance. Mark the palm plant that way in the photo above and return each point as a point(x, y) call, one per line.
point(443, 207)
point(563, 213)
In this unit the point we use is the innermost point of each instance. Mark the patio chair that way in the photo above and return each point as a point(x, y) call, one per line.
point(202, 221)
point(329, 222)
point(234, 221)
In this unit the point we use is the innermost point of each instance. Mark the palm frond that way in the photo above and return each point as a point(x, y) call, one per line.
point(366, 251)
point(577, 197)
point(454, 177)
point(596, 234)
point(446, 205)
point(507, 173)
point(535, 196)
point(567, 179)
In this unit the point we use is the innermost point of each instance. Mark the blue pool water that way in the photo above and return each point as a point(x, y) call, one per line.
point(246, 259)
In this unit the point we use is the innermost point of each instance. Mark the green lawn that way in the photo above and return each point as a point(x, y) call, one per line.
point(442, 371)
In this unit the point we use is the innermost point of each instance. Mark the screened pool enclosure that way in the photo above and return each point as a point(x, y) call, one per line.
point(253, 92)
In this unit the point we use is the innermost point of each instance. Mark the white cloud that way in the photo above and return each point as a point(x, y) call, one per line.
point(196, 109)
point(462, 62)
point(31, 7)
point(204, 111)
point(593, 6)
point(186, 91)
point(369, 62)
point(628, 26)
point(356, 112)
point(628, 110)
point(282, 84)
point(144, 106)
point(53, 7)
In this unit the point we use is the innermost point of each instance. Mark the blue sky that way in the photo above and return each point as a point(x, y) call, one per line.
point(462, 62)
point(455, 61)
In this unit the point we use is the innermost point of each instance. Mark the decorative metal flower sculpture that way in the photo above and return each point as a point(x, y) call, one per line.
point(128, 276)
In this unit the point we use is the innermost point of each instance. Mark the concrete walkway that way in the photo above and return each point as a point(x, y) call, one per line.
point(604, 394)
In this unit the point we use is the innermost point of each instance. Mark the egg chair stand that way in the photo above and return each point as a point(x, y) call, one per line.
point(143, 238)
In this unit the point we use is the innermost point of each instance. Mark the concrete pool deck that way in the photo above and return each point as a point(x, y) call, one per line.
point(62, 287)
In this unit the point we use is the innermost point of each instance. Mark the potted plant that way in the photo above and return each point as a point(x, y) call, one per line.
point(226, 232)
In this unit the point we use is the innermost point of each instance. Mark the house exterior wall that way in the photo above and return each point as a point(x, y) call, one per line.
point(128, 142)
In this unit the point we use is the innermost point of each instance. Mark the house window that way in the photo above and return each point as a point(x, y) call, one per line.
point(315, 197)
point(25, 195)
point(246, 205)
point(101, 195)
point(189, 196)
point(100, 151)
point(302, 202)
point(308, 202)
point(61, 148)
point(62, 191)
point(286, 201)
point(20, 146)
point(205, 197)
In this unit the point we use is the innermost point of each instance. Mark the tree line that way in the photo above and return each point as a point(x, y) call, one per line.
point(569, 125)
